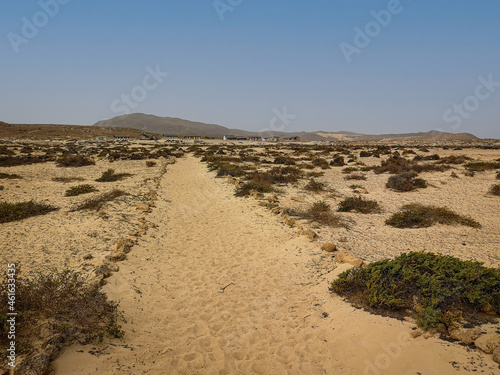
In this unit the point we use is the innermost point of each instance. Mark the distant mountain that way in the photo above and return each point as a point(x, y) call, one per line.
point(176, 126)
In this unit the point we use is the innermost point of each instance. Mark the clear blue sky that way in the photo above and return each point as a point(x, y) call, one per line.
point(239, 67)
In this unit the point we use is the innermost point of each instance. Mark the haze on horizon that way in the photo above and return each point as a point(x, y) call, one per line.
point(367, 66)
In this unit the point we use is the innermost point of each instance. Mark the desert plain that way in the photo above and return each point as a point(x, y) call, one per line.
point(216, 276)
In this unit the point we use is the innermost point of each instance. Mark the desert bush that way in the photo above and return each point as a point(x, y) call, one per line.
point(248, 187)
point(417, 215)
point(74, 161)
point(393, 165)
point(349, 170)
point(454, 159)
point(321, 163)
point(13, 161)
point(150, 163)
point(498, 176)
point(435, 288)
point(338, 162)
point(355, 176)
point(481, 166)
point(111, 176)
point(276, 175)
point(495, 190)
point(359, 204)
point(454, 175)
point(365, 154)
point(95, 203)
point(320, 212)
point(22, 210)
point(315, 174)
point(284, 160)
point(315, 186)
point(79, 190)
point(405, 182)
point(2, 187)
point(61, 304)
point(4, 176)
point(67, 179)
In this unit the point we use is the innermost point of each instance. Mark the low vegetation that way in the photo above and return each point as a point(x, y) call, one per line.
point(22, 210)
point(315, 186)
point(252, 187)
point(481, 166)
point(95, 203)
point(7, 176)
point(79, 190)
point(74, 161)
point(66, 180)
point(436, 289)
point(359, 204)
point(63, 306)
point(495, 190)
point(417, 215)
point(405, 182)
point(111, 176)
point(321, 213)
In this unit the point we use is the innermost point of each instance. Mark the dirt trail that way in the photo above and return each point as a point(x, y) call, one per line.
point(225, 288)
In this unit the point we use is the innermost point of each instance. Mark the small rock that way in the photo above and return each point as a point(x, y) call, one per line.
point(276, 210)
point(272, 199)
point(290, 221)
point(496, 355)
point(118, 256)
point(467, 336)
point(344, 257)
point(310, 234)
point(329, 247)
point(488, 342)
point(416, 334)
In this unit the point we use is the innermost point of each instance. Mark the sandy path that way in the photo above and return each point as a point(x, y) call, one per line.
point(268, 320)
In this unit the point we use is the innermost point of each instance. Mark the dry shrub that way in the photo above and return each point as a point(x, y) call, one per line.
point(417, 215)
point(22, 210)
point(359, 204)
point(111, 176)
point(405, 182)
point(95, 203)
point(8, 176)
point(150, 163)
point(13, 161)
point(356, 176)
point(338, 162)
point(320, 212)
point(79, 190)
point(60, 304)
point(74, 161)
point(481, 166)
point(315, 186)
point(67, 179)
point(495, 190)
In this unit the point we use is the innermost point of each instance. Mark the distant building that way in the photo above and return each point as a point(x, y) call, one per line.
point(148, 137)
point(290, 139)
point(121, 137)
point(101, 137)
point(170, 136)
point(272, 139)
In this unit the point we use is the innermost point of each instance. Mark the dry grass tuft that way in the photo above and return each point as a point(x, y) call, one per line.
point(22, 210)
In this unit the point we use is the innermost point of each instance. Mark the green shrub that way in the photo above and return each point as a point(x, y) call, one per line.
point(417, 215)
point(495, 190)
point(111, 176)
point(80, 189)
point(22, 210)
point(74, 161)
point(359, 204)
point(61, 304)
point(436, 288)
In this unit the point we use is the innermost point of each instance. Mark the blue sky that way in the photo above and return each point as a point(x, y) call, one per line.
point(418, 66)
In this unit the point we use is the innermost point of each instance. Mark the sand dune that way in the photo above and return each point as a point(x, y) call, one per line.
point(221, 286)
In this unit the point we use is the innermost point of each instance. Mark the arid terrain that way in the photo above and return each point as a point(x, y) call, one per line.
point(217, 258)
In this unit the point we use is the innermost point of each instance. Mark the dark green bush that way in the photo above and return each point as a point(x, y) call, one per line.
point(22, 210)
point(405, 181)
point(417, 215)
point(359, 204)
point(436, 288)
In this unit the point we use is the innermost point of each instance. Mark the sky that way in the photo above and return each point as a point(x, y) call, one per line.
point(364, 66)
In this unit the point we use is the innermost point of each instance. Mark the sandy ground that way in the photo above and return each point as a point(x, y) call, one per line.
point(221, 286)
